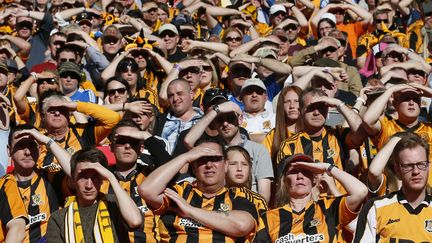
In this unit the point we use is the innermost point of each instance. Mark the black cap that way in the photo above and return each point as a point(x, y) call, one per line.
point(213, 96)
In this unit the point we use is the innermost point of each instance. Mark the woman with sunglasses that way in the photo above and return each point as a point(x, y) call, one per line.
point(233, 38)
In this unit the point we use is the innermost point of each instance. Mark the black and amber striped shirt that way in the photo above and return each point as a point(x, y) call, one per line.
point(149, 230)
point(173, 228)
point(39, 199)
point(11, 206)
point(318, 222)
point(392, 219)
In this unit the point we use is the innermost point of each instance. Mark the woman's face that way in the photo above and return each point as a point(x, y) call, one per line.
point(299, 183)
point(206, 75)
point(324, 28)
point(116, 92)
point(238, 168)
point(233, 40)
point(291, 106)
point(131, 77)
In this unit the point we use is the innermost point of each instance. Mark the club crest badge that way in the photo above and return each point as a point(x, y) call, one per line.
point(428, 225)
point(36, 200)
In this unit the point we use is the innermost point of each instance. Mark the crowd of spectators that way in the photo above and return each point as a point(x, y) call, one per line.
point(215, 120)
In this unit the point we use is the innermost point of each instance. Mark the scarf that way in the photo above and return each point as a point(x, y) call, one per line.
point(102, 230)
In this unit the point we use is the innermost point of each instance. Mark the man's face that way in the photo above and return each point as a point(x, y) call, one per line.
point(227, 125)
point(55, 117)
point(314, 114)
point(407, 105)
point(56, 42)
point(126, 149)
point(381, 18)
point(277, 17)
point(24, 27)
point(180, 98)
point(69, 82)
point(292, 31)
point(254, 99)
point(192, 75)
point(210, 171)
point(332, 51)
point(414, 179)
point(170, 38)
point(324, 85)
point(66, 56)
point(238, 74)
point(151, 12)
point(392, 57)
point(24, 152)
point(87, 183)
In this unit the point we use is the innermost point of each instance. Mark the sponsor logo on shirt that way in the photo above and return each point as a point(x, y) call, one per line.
point(428, 225)
point(391, 221)
point(187, 222)
point(303, 238)
point(37, 218)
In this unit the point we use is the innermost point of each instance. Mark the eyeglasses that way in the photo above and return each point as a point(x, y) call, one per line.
point(46, 80)
point(24, 25)
point(233, 38)
point(62, 60)
point(290, 27)
point(378, 21)
point(207, 68)
point(193, 70)
point(422, 165)
point(120, 91)
point(110, 40)
point(59, 43)
point(170, 34)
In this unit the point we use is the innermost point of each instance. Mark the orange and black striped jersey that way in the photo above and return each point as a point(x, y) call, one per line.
point(39, 199)
point(81, 135)
point(149, 231)
point(318, 222)
point(151, 95)
point(392, 219)
point(11, 206)
point(173, 228)
point(268, 141)
point(390, 127)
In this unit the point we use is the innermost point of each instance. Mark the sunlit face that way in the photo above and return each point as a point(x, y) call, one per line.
point(131, 77)
point(291, 106)
point(206, 76)
point(413, 179)
point(117, 92)
point(162, 15)
point(299, 183)
point(233, 40)
point(407, 105)
point(325, 28)
point(254, 99)
point(111, 46)
point(87, 183)
point(417, 76)
point(180, 98)
point(26, 31)
point(227, 125)
point(55, 117)
point(238, 169)
point(171, 39)
point(46, 85)
point(210, 171)
point(126, 149)
point(56, 43)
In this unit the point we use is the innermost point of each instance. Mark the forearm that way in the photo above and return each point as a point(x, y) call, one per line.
point(362, 13)
point(62, 156)
point(22, 44)
point(15, 231)
point(163, 62)
point(68, 13)
point(276, 66)
point(356, 190)
point(105, 117)
point(245, 48)
point(377, 108)
point(353, 118)
point(233, 223)
point(97, 57)
point(128, 209)
point(163, 95)
point(316, 18)
point(404, 7)
point(216, 47)
point(198, 129)
point(304, 81)
point(300, 58)
point(376, 168)
point(264, 189)
point(301, 19)
point(110, 70)
point(20, 95)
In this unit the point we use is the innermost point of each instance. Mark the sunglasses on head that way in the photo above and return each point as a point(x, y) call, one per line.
point(193, 70)
point(290, 27)
point(168, 33)
point(233, 38)
point(120, 91)
point(59, 43)
point(46, 80)
point(110, 40)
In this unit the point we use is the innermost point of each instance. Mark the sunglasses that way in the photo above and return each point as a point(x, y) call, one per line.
point(62, 60)
point(252, 90)
point(290, 27)
point(170, 34)
point(193, 70)
point(232, 38)
point(59, 43)
point(71, 75)
point(46, 80)
point(207, 68)
point(282, 13)
point(329, 49)
point(110, 40)
point(120, 91)
point(378, 21)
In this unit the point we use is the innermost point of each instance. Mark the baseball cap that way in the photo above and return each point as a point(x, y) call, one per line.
point(264, 52)
point(277, 8)
point(168, 27)
point(213, 96)
point(287, 161)
point(329, 16)
point(253, 82)
point(70, 67)
point(83, 17)
point(4, 69)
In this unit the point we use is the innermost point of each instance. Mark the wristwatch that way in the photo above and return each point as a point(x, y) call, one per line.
point(216, 108)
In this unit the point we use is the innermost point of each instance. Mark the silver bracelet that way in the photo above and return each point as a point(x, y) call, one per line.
point(51, 141)
point(34, 75)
